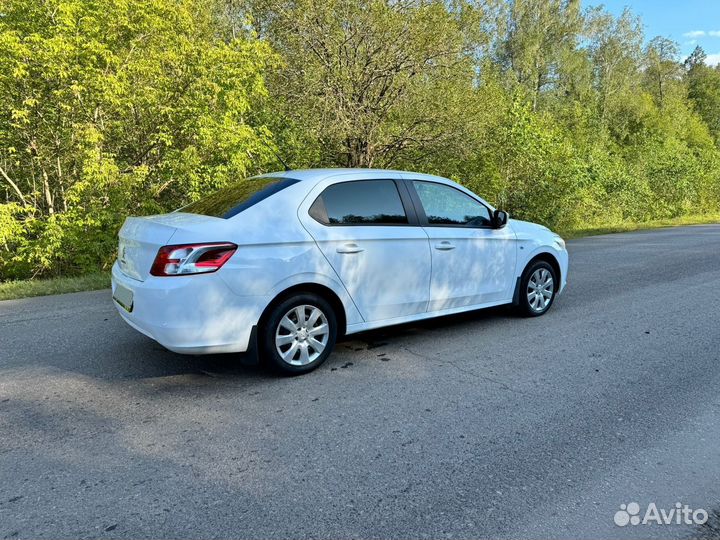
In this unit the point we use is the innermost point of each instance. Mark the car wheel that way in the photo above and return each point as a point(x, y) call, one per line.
point(299, 334)
point(537, 289)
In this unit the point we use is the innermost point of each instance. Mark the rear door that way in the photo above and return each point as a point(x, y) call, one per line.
point(368, 231)
point(472, 262)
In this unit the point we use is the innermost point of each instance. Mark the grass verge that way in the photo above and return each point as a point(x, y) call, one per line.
point(703, 219)
point(101, 280)
point(10, 290)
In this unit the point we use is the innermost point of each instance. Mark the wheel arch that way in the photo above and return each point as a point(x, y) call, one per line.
point(548, 258)
point(542, 256)
point(315, 288)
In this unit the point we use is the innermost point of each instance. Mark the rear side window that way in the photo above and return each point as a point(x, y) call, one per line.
point(364, 202)
point(445, 205)
point(233, 199)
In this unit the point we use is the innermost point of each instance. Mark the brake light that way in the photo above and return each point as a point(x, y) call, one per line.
point(191, 259)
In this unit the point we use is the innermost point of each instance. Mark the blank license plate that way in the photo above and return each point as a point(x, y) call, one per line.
point(124, 297)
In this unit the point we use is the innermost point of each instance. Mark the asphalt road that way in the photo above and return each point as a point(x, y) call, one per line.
point(478, 426)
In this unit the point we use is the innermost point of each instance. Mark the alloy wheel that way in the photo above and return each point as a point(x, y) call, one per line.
point(302, 335)
point(540, 290)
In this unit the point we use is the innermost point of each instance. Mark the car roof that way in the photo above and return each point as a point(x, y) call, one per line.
point(322, 174)
point(311, 177)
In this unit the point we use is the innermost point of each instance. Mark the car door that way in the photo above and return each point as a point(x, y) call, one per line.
point(472, 262)
point(369, 233)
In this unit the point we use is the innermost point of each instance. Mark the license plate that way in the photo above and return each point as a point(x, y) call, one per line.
point(124, 297)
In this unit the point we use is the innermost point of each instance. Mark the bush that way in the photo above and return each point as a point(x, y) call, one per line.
point(118, 108)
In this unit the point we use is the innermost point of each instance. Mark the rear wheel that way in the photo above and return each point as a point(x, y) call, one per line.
point(537, 289)
point(299, 334)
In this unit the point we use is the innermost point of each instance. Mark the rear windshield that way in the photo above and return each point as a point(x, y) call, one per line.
point(233, 199)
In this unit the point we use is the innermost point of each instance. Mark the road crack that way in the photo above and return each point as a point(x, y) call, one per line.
point(475, 374)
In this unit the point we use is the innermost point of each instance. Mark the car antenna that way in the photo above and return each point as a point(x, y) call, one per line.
point(281, 160)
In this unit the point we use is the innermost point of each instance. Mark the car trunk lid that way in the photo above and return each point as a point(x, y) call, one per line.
point(140, 238)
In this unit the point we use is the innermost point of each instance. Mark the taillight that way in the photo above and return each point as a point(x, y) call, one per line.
point(191, 259)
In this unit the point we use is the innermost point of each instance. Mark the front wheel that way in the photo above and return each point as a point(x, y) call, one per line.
point(537, 289)
point(299, 334)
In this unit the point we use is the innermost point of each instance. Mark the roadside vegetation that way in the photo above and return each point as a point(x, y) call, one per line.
point(10, 290)
point(566, 117)
point(629, 226)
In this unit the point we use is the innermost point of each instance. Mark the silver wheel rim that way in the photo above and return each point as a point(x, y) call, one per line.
point(540, 289)
point(302, 335)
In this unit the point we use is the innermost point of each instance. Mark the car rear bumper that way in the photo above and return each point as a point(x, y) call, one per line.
point(190, 314)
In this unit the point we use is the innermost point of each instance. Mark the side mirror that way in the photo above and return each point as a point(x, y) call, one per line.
point(499, 219)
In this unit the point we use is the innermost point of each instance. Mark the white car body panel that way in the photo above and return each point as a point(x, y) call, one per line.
point(397, 277)
point(488, 255)
point(385, 269)
point(534, 240)
point(191, 316)
point(362, 327)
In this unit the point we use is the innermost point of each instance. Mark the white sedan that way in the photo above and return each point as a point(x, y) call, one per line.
point(284, 263)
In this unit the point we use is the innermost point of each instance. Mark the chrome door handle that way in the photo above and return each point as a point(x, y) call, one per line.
point(349, 248)
point(444, 246)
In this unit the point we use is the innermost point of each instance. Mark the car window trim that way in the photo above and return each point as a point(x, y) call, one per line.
point(408, 203)
point(405, 200)
point(422, 216)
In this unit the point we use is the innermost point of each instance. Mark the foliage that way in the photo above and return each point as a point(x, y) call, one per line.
point(704, 90)
point(126, 107)
point(110, 108)
point(364, 81)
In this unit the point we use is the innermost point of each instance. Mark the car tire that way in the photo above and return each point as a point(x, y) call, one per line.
point(298, 334)
point(538, 287)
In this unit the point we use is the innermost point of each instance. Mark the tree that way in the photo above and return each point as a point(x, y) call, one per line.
point(704, 90)
point(696, 58)
point(111, 108)
point(366, 81)
point(615, 49)
point(540, 37)
point(661, 68)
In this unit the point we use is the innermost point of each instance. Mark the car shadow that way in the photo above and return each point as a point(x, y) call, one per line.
point(250, 366)
point(381, 336)
point(105, 348)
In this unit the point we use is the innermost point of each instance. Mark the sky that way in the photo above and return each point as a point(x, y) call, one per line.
point(688, 22)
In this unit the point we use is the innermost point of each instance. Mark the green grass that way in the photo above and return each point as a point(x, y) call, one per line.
point(41, 287)
point(101, 280)
point(628, 227)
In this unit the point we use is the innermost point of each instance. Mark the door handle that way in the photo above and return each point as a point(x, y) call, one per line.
point(350, 248)
point(444, 246)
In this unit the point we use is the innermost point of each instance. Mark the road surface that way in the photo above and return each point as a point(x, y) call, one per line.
point(475, 426)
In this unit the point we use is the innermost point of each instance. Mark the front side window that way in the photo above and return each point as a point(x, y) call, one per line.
point(445, 205)
point(364, 202)
point(233, 199)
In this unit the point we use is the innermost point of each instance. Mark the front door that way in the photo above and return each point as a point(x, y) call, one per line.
point(472, 262)
point(367, 233)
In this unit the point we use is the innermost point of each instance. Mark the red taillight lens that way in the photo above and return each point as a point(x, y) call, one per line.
point(188, 259)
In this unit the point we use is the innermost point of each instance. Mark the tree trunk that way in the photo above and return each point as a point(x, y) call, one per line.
point(61, 186)
point(48, 193)
point(14, 186)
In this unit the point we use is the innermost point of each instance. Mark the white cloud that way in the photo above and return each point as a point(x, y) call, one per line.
point(701, 33)
point(713, 59)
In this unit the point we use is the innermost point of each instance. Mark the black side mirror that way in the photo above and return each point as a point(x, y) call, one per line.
point(499, 219)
